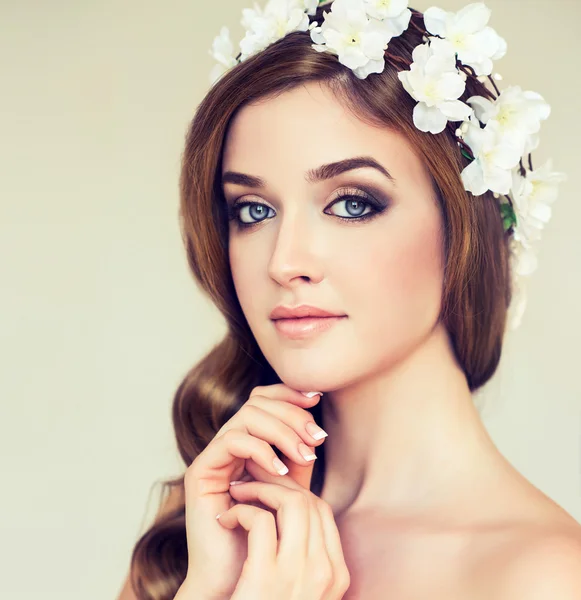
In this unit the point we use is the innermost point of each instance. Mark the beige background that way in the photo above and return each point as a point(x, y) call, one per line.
point(99, 316)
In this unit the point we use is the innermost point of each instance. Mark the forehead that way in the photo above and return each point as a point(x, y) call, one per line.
point(300, 129)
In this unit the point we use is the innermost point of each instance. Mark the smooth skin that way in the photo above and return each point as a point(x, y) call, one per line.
point(426, 504)
point(304, 558)
point(296, 553)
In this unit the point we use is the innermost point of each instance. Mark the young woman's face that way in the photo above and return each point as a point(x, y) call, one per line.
point(362, 243)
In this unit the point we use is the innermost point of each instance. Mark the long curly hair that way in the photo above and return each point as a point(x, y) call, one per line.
point(477, 281)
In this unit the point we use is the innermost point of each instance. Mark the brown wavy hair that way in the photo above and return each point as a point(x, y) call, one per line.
point(475, 296)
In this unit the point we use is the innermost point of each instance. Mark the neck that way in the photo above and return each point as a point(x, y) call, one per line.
point(406, 440)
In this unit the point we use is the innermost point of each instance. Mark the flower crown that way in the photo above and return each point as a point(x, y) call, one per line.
point(495, 133)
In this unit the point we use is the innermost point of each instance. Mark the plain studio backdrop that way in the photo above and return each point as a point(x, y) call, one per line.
point(100, 318)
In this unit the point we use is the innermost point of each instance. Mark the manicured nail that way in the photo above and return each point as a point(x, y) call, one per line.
point(316, 431)
point(311, 394)
point(280, 467)
point(237, 482)
point(306, 452)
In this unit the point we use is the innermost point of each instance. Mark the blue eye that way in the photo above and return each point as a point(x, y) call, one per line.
point(355, 202)
point(257, 208)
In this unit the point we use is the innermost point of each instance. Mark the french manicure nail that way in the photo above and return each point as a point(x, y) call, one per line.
point(306, 452)
point(280, 467)
point(316, 431)
point(311, 394)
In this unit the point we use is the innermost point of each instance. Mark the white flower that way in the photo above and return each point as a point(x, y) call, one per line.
point(223, 51)
point(359, 42)
point(435, 82)
point(517, 113)
point(494, 157)
point(532, 198)
point(279, 18)
point(519, 298)
point(395, 14)
point(310, 6)
point(466, 32)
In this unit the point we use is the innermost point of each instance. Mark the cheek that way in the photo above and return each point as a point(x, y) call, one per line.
point(248, 267)
point(398, 291)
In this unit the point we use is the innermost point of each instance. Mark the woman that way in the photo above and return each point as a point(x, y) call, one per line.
point(304, 183)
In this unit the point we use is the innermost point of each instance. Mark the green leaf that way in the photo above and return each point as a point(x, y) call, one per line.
point(508, 216)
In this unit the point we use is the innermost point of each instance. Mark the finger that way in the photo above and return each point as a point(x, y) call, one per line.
point(282, 396)
point(323, 536)
point(213, 469)
point(302, 476)
point(293, 522)
point(288, 406)
point(312, 435)
point(290, 428)
point(333, 547)
point(301, 473)
point(262, 534)
point(281, 391)
point(261, 423)
point(258, 473)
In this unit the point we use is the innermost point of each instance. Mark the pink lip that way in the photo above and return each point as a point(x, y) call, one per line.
point(305, 326)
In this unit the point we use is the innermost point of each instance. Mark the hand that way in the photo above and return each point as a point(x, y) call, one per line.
point(296, 553)
point(272, 414)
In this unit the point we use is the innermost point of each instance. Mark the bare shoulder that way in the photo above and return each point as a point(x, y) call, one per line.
point(531, 551)
point(546, 566)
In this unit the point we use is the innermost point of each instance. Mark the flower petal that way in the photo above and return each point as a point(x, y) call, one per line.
point(450, 86)
point(507, 154)
point(483, 107)
point(501, 49)
point(473, 178)
point(445, 48)
point(517, 307)
point(455, 110)
point(397, 25)
point(373, 44)
point(527, 262)
point(486, 42)
point(473, 18)
point(435, 20)
point(498, 180)
point(352, 57)
point(403, 77)
point(429, 118)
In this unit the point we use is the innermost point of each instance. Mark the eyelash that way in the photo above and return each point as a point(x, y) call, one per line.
point(361, 197)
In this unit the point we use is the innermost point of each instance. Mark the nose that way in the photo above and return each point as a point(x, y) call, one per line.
point(295, 253)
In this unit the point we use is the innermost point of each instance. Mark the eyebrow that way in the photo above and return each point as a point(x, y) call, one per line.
point(321, 173)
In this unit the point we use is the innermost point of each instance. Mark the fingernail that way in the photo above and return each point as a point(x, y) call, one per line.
point(306, 452)
point(316, 431)
point(280, 467)
point(311, 394)
point(236, 482)
point(218, 516)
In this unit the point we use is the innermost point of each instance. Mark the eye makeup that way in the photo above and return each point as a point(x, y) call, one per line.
point(366, 196)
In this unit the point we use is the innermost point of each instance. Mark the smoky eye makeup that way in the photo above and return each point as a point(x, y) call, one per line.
point(246, 214)
point(375, 192)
